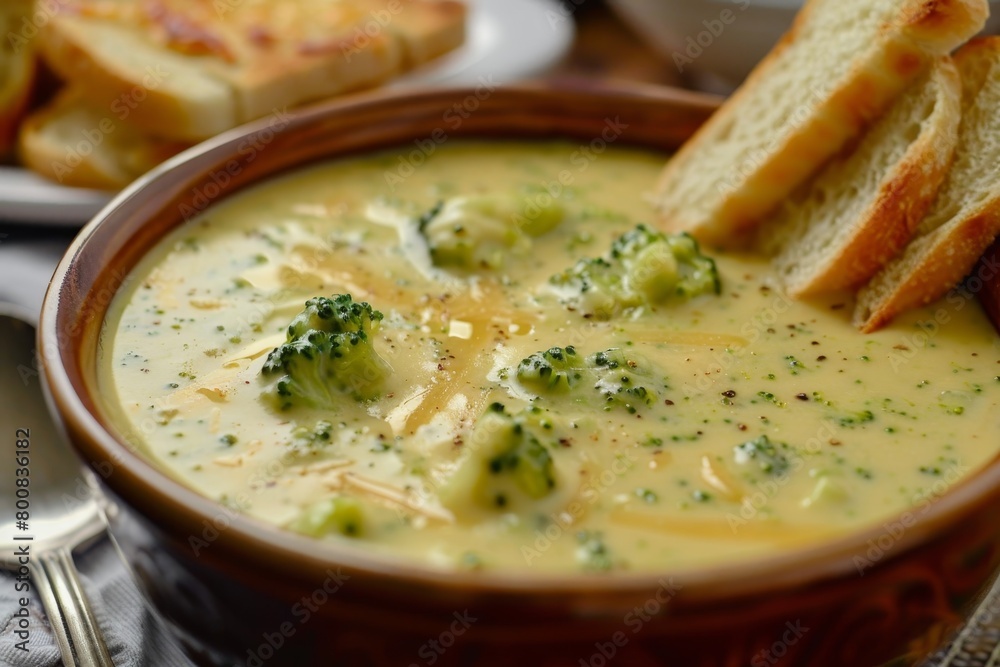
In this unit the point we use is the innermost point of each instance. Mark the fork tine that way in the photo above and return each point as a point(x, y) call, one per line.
point(63, 587)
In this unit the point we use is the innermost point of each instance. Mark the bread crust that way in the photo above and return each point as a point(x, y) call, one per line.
point(925, 30)
point(939, 258)
point(903, 196)
point(939, 262)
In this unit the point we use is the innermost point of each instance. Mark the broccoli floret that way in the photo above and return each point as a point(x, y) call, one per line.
point(764, 453)
point(852, 419)
point(478, 232)
point(506, 465)
point(332, 515)
point(643, 268)
point(593, 553)
point(329, 352)
point(310, 439)
point(555, 370)
point(612, 378)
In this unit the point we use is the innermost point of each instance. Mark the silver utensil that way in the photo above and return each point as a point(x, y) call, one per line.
point(43, 519)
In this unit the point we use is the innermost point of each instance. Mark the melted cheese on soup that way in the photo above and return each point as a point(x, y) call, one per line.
point(858, 428)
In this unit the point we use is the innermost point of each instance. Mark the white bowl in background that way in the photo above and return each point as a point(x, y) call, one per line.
point(715, 43)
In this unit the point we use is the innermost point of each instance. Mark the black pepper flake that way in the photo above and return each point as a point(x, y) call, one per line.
point(741, 427)
point(821, 357)
point(802, 397)
point(729, 393)
point(668, 402)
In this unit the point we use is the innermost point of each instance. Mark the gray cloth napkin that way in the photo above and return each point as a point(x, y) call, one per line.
point(135, 637)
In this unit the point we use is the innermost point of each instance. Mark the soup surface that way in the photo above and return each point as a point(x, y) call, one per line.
point(761, 422)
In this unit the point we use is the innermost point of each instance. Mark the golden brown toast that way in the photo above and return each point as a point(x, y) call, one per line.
point(189, 69)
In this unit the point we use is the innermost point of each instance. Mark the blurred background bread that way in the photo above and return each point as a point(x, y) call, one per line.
point(164, 74)
point(18, 68)
point(72, 143)
point(203, 68)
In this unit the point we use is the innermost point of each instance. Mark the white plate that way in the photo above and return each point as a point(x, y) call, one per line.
point(507, 40)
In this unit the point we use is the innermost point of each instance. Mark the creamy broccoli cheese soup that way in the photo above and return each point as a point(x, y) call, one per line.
point(498, 362)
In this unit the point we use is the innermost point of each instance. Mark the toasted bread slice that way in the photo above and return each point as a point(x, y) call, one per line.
point(838, 68)
point(18, 67)
point(75, 145)
point(163, 90)
point(428, 30)
point(188, 69)
point(864, 207)
point(965, 217)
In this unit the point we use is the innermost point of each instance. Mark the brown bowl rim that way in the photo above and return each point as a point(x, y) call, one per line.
point(139, 482)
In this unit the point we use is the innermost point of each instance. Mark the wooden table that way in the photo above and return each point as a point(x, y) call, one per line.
point(605, 48)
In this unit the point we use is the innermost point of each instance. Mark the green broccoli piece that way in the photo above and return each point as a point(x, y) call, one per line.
point(643, 268)
point(329, 352)
point(593, 553)
point(611, 378)
point(478, 232)
point(764, 453)
point(555, 370)
point(332, 515)
point(320, 435)
point(506, 465)
point(852, 419)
